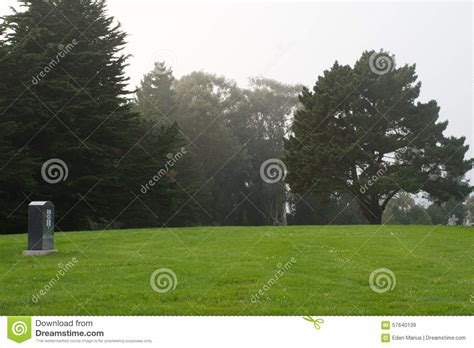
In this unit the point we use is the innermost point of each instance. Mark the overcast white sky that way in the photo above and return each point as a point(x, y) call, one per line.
point(295, 42)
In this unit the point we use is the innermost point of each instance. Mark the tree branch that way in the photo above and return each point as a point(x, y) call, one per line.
point(389, 197)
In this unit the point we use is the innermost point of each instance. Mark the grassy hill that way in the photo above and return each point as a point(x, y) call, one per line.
point(220, 270)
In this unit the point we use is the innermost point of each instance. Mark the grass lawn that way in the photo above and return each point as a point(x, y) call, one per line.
point(219, 271)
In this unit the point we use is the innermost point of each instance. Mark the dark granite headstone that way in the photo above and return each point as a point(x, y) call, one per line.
point(40, 228)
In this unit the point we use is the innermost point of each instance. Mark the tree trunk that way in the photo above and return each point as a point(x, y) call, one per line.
point(375, 220)
point(284, 221)
point(372, 213)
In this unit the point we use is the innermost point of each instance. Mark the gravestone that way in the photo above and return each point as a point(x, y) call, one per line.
point(453, 220)
point(40, 229)
point(468, 220)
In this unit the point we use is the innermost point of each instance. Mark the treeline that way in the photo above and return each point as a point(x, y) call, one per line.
point(182, 152)
point(198, 150)
point(228, 133)
point(404, 210)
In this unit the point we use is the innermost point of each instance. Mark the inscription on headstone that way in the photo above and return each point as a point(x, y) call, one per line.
point(40, 229)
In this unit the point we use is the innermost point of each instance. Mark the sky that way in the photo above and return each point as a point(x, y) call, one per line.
point(295, 42)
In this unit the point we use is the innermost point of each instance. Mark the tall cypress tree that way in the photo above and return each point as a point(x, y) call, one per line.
point(156, 96)
point(72, 105)
point(157, 104)
point(16, 166)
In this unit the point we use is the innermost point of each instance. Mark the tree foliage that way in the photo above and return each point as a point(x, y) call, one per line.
point(363, 132)
point(71, 103)
point(190, 151)
point(402, 210)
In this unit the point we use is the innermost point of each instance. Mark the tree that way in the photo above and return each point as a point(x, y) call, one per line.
point(72, 104)
point(441, 212)
point(156, 96)
point(206, 105)
point(232, 131)
point(470, 206)
point(403, 210)
point(157, 104)
point(361, 131)
point(261, 124)
point(16, 180)
point(319, 210)
point(16, 167)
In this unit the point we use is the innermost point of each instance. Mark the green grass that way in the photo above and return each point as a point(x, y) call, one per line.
point(220, 268)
